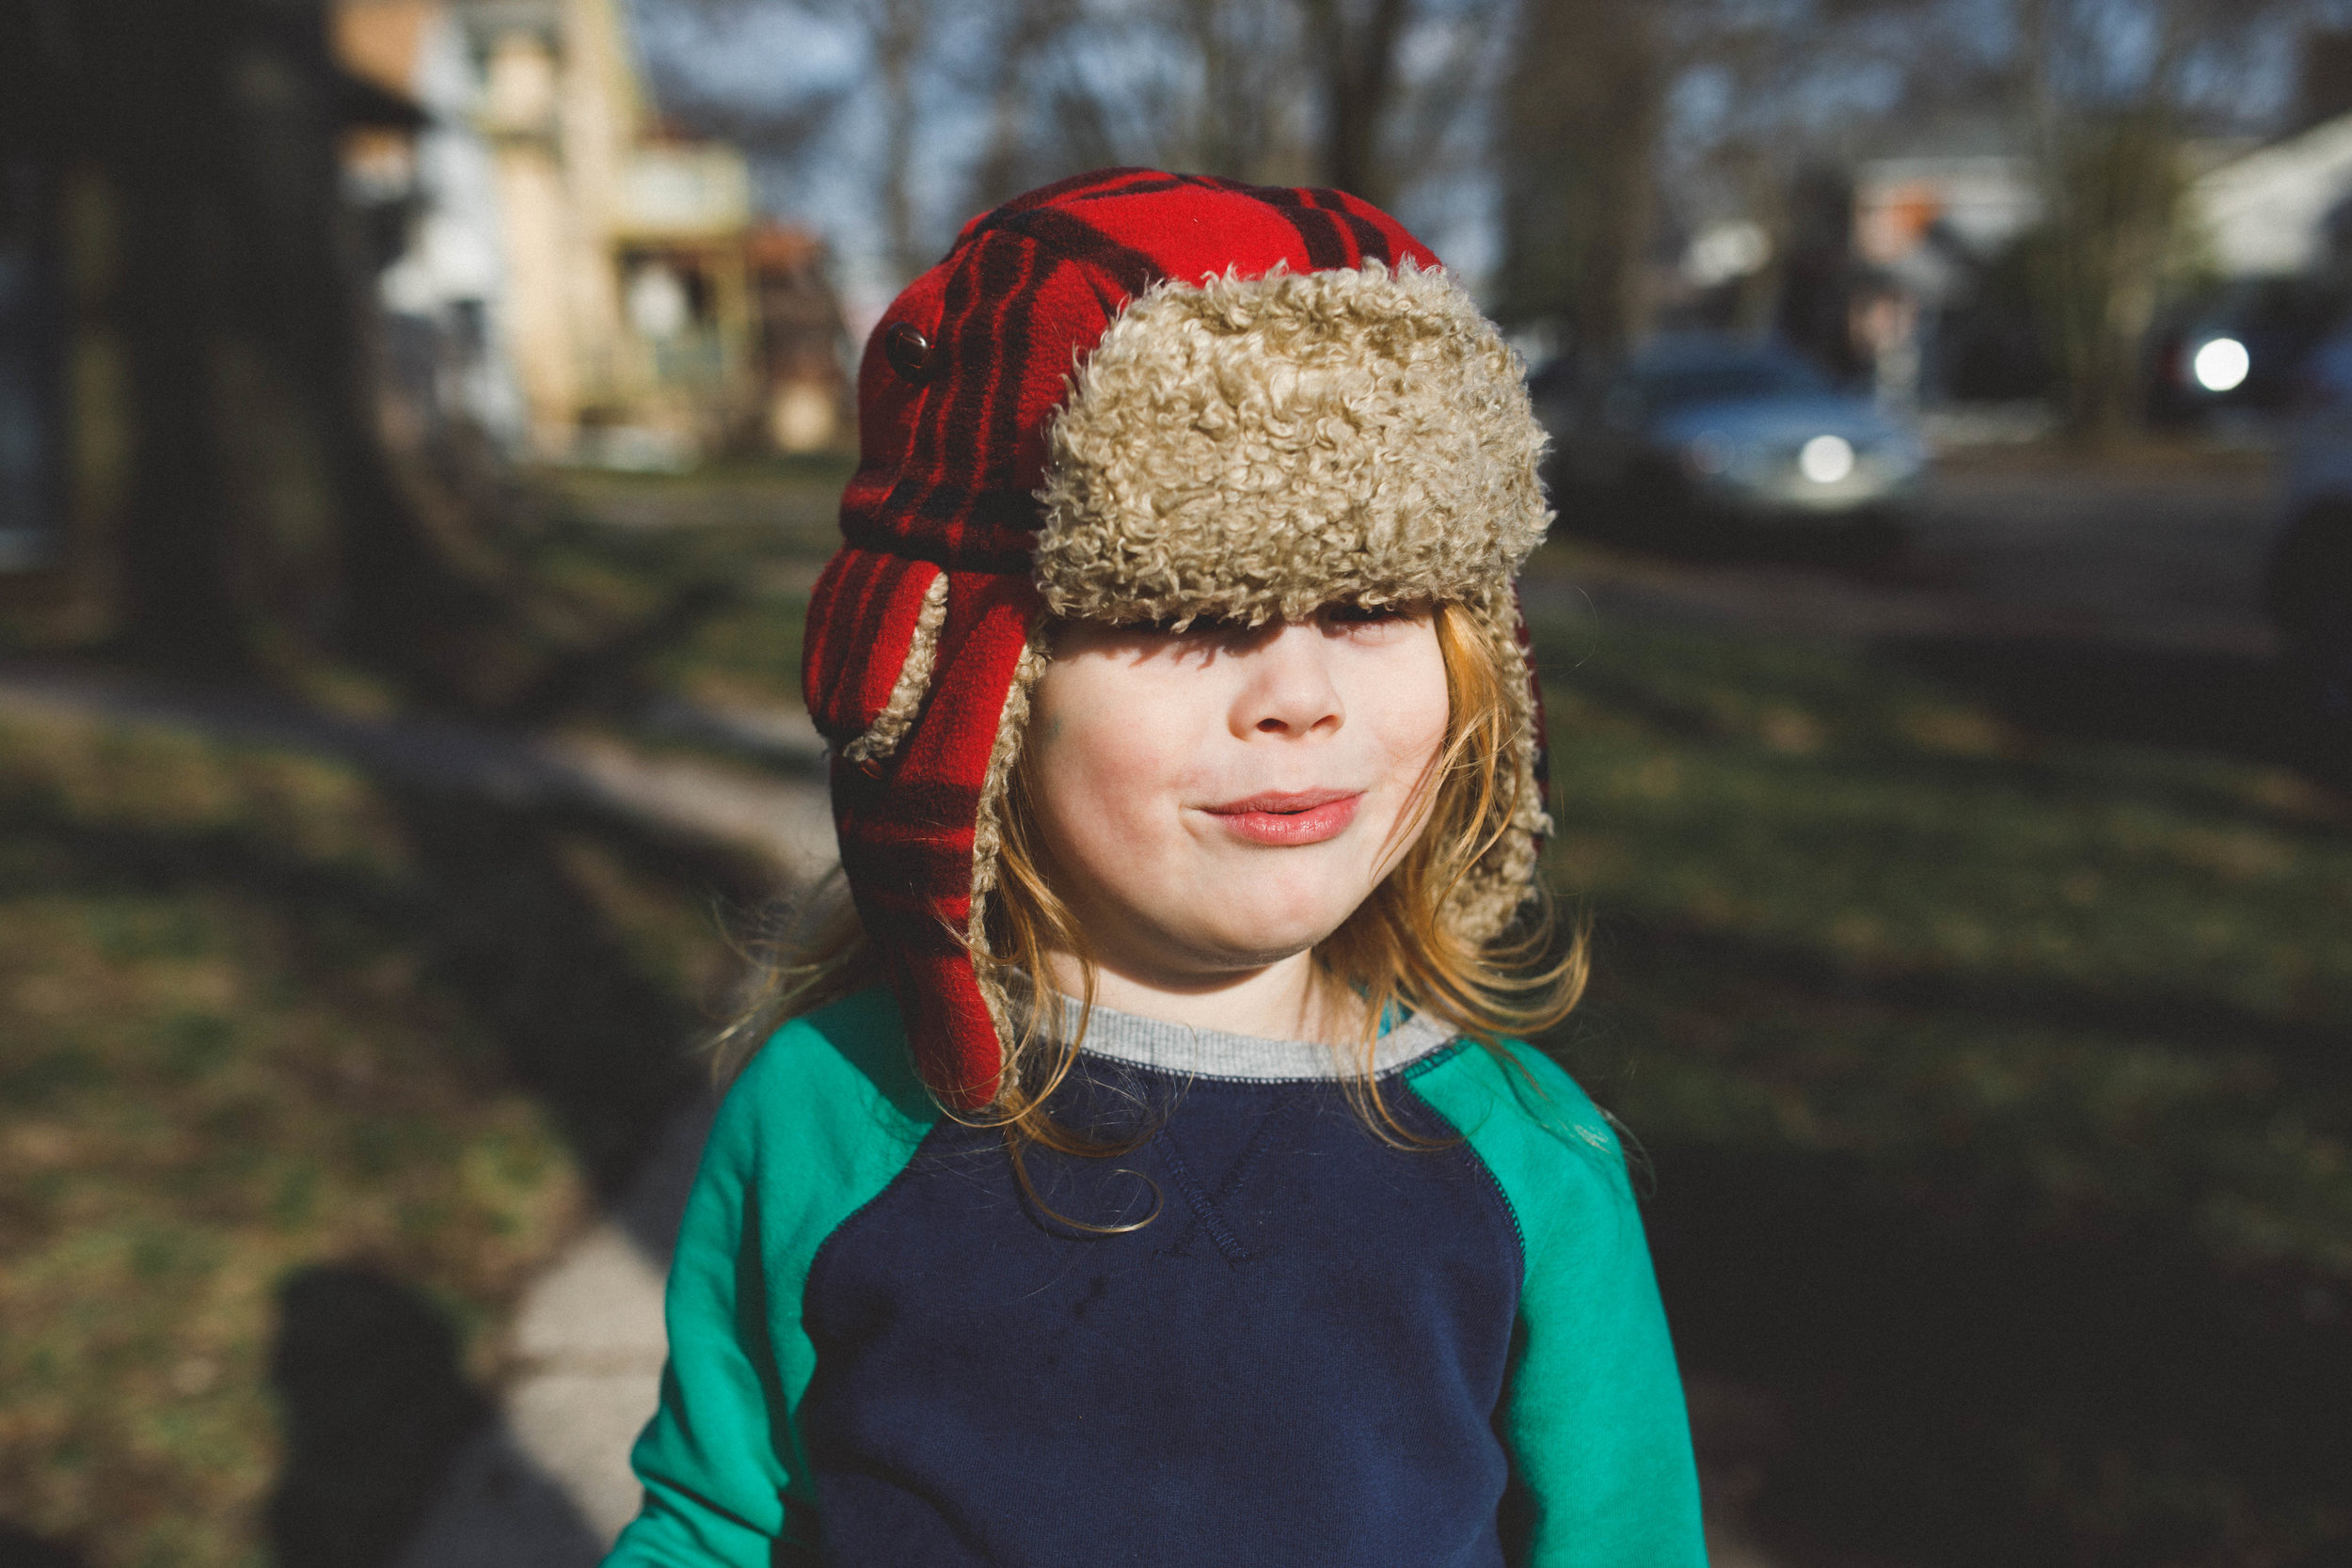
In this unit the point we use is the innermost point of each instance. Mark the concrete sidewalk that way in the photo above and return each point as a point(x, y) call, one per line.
point(548, 1484)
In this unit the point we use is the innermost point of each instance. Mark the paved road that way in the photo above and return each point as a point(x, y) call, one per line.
point(2164, 553)
point(2169, 552)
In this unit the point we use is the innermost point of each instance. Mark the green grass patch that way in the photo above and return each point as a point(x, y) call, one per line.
point(271, 1033)
point(1996, 1095)
point(623, 544)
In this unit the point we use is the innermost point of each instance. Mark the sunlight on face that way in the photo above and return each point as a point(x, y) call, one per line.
point(1216, 800)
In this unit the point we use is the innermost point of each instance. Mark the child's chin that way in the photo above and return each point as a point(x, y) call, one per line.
point(1246, 943)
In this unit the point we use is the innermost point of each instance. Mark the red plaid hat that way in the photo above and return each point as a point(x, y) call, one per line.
point(1139, 396)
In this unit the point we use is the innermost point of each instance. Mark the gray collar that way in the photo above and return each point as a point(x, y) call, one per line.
point(1179, 1048)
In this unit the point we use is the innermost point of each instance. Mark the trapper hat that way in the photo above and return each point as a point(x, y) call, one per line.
point(1136, 396)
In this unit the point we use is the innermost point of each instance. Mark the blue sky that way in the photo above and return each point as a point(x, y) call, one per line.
point(774, 54)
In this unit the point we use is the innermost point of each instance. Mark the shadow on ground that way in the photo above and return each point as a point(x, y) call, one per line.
point(1944, 1390)
point(560, 951)
point(606, 1045)
point(375, 1406)
point(2230, 704)
point(22, 1550)
point(1909, 1346)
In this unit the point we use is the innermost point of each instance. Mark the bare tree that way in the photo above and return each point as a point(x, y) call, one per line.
point(1575, 142)
point(1288, 92)
point(1306, 91)
point(2109, 102)
point(1025, 32)
point(1354, 45)
point(1208, 85)
point(899, 30)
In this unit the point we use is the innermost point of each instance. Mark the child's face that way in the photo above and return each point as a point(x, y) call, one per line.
point(1218, 800)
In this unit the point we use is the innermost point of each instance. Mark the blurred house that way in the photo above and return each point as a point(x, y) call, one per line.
point(2271, 231)
point(2281, 210)
point(429, 198)
point(1927, 233)
point(1917, 217)
point(559, 269)
point(2268, 227)
point(807, 403)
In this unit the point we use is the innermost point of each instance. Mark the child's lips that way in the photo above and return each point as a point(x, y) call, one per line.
point(1285, 818)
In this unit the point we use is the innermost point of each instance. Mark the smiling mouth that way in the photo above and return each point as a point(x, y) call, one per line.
point(1290, 817)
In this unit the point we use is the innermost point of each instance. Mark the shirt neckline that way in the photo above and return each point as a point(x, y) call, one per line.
point(1164, 1046)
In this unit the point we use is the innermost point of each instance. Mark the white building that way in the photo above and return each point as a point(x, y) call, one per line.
point(2269, 213)
point(445, 294)
point(573, 280)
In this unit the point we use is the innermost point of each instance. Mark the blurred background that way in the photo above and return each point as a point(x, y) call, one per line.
point(420, 422)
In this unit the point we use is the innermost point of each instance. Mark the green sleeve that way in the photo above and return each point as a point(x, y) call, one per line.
point(822, 1119)
point(1602, 1475)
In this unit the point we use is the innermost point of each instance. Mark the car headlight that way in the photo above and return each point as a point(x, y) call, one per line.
point(2220, 364)
point(1826, 459)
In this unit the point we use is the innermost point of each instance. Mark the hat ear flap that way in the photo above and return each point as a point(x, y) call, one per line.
point(866, 675)
point(919, 837)
point(1503, 880)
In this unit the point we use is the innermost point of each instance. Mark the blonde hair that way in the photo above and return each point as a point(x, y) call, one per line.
point(1398, 950)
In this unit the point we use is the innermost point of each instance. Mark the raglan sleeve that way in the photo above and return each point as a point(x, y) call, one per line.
point(717, 1460)
point(826, 1116)
point(1592, 1412)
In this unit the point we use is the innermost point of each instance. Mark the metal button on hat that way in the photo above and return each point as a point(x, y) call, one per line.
point(908, 351)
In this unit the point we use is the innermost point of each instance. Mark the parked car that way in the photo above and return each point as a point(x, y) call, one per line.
point(2246, 348)
point(1720, 431)
point(2310, 581)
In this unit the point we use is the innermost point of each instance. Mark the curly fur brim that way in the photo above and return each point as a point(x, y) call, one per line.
point(1254, 448)
point(1497, 886)
point(913, 684)
point(988, 832)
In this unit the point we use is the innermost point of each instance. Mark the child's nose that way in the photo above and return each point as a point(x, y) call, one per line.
point(1289, 689)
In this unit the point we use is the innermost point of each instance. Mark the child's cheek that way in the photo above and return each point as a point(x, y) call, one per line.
point(1102, 765)
point(1123, 730)
point(1406, 701)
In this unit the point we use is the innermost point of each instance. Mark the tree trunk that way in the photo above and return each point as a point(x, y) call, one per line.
point(898, 29)
point(1357, 54)
point(265, 520)
point(161, 118)
point(1577, 131)
point(2107, 123)
point(2116, 189)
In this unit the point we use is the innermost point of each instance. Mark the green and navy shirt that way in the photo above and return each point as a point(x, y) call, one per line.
point(1324, 1346)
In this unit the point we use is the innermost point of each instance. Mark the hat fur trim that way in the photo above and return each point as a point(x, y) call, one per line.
point(1258, 447)
point(988, 829)
point(1495, 887)
point(896, 717)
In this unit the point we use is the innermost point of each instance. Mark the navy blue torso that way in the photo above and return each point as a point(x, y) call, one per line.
point(1298, 1361)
